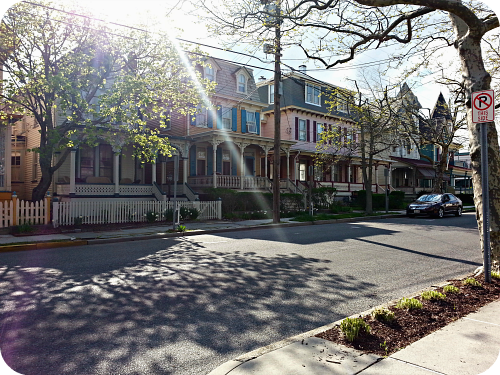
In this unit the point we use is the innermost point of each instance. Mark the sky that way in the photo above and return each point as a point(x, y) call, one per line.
point(131, 12)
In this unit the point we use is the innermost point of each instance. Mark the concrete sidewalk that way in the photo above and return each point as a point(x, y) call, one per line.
point(469, 346)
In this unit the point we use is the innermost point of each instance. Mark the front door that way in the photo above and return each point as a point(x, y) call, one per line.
point(249, 166)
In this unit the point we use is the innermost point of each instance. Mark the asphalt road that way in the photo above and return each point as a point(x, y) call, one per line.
point(185, 306)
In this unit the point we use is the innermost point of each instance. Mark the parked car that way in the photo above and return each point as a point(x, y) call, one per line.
point(435, 205)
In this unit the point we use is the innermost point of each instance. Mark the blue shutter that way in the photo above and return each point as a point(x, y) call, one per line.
point(234, 119)
point(219, 117)
point(192, 161)
point(243, 121)
point(257, 122)
point(210, 161)
point(192, 119)
point(210, 118)
point(234, 163)
point(219, 160)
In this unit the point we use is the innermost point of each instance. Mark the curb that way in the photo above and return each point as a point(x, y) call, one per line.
point(228, 366)
point(97, 241)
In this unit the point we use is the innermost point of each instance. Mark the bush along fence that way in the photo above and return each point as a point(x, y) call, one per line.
point(108, 212)
point(19, 212)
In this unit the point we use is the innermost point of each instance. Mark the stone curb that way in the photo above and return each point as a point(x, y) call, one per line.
point(96, 241)
point(228, 366)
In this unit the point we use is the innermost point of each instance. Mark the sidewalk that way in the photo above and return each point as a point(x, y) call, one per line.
point(469, 346)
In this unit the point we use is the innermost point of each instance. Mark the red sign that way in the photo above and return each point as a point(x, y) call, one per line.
point(483, 106)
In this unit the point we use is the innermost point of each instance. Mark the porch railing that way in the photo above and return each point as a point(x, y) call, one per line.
point(105, 189)
point(230, 182)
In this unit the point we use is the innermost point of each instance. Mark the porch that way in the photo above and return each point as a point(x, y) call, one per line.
point(231, 182)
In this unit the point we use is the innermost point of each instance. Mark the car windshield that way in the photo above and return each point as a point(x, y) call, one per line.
point(430, 198)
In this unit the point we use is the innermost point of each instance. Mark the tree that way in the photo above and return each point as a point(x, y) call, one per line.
point(83, 82)
point(342, 29)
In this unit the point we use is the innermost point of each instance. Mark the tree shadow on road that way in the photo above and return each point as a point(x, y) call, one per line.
point(158, 310)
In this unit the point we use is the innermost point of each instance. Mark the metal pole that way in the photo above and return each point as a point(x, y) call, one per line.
point(176, 175)
point(277, 117)
point(486, 203)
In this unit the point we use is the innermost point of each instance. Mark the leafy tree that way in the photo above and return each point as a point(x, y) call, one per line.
point(339, 30)
point(83, 82)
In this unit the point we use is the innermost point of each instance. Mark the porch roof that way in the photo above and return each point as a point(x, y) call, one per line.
point(219, 136)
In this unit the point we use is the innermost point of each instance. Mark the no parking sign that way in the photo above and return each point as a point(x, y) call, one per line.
point(483, 106)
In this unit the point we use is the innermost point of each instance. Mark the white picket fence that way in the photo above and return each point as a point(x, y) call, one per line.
point(109, 211)
point(18, 212)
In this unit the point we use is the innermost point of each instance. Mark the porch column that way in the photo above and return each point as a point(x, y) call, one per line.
point(72, 172)
point(287, 165)
point(390, 177)
point(214, 148)
point(163, 172)
point(184, 170)
point(116, 173)
point(349, 176)
point(376, 178)
point(266, 152)
point(242, 147)
point(153, 171)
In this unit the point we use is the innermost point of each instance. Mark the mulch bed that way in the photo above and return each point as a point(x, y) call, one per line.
point(409, 326)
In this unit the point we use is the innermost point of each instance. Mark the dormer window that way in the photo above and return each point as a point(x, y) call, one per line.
point(209, 73)
point(313, 94)
point(242, 83)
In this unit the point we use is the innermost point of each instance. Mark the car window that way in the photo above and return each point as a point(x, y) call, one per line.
point(430, 198)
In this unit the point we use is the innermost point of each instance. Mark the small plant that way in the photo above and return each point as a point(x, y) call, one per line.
point(181, 228)
point(25, 227)
point(383, 314)
point(409, 303)
point(432, 295)
point(350, 327)
point(451, 289)
point(495, 275)
point(151, 216)
point(383, 345)
point(472, 282)
point(78, 220)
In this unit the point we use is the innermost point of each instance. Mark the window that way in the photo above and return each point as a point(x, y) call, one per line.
point(106, 161)
point(271, 94)
point(251, 124)
point(342, 104)
point(319, 129)
point(226, 118)
point(313, 94)
point(201, 117)
point(302, 130)
point(87, 156)
point(302, 172)
point(210, 73)
point(242, 83)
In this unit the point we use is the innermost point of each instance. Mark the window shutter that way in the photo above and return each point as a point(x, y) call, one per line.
point(210, 118)
point(219, 117)
point(234, 163)
point(308, 130)
point(210, 160)
point(257, 122)
point(296, 128)
point(315, 131)
point(219, 160)
point(243, 121)
point(234, 119)
point(192, 161)
point(192, 119)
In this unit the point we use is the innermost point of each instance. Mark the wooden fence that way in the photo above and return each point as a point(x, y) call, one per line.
point(18, 212)
point(108, 211)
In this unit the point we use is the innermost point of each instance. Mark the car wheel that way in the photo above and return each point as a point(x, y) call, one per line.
point(459, 211)
point(440, 213)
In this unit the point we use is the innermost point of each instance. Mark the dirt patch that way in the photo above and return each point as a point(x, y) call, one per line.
point(409, 326)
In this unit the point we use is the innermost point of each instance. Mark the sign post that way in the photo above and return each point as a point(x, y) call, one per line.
point(483, 111)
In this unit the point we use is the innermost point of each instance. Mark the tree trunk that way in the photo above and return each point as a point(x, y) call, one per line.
point(476, 78)
point(40, 190)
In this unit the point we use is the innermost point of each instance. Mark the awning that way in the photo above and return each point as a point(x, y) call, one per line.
point(427, 173)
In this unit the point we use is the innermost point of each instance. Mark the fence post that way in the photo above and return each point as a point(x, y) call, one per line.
point(219, 208)
point(55, 212)
point(14, 208)
point(47, 208)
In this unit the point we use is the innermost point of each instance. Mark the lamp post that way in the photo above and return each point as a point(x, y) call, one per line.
point(276, 22)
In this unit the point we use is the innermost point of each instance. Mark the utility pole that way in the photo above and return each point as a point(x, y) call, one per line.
point(276, 9)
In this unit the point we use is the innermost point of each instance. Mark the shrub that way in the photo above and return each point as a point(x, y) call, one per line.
point(78, 220)
point(181, 228)
point(151, 216)
point(467, 199)
point(189, 213)
point(350, 327)
point(495, 275)
point(25, 227)
point(409, 303)
point(339, 206)
point(450, 289)
point(168, 214)
point(323, 196)
point(472, 282)
point(396, 199)
point(383, 314)
point(432, 295)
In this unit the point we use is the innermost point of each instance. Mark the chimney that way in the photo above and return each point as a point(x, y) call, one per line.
point(302, 68)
